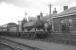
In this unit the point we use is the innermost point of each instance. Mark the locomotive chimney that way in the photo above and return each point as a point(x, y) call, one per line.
point(41, 14)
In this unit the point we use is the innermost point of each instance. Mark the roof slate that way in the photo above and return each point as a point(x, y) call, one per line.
point(68, 11)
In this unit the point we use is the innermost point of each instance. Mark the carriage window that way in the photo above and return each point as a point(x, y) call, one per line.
point(67, 23)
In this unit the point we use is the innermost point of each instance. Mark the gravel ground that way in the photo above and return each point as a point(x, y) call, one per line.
point(43, 45)
point(4, 47)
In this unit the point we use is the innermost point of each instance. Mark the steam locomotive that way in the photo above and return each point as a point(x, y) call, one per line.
point(31, 29)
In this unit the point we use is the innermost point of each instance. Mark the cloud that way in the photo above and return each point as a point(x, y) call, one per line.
point(10, 13)
point(21, 3)
point(63, 2)
point(40, 5)
point(37, 3)
point(13, 10)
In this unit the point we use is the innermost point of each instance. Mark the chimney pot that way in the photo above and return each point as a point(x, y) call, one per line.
point(65, 7)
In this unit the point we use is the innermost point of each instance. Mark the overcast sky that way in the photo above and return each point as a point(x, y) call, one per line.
point(14, 10)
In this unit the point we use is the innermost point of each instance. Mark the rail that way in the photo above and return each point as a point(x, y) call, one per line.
point(7, 46)
point(16, 45)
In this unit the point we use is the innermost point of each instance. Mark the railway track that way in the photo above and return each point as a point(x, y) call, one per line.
point(5, 47)
point(16, 45)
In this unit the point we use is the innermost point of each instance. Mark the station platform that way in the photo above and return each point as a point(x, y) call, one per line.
point(41, 44)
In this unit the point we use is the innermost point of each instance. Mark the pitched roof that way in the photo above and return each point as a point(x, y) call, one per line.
point(68, 11)
point(12, 23)
point(44, 18)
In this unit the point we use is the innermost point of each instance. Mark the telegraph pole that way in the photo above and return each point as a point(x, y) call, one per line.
point(50, 9)
point(26, 15)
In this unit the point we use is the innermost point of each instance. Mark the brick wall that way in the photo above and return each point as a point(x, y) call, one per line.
point(57, 23)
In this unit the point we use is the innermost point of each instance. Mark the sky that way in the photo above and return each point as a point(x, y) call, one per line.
point(16, 10)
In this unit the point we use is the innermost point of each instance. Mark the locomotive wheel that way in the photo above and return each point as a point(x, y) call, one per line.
point(41, 35)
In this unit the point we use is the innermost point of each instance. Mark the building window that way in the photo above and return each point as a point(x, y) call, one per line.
point(70, 20)
point(70, 23)
point(67, 23)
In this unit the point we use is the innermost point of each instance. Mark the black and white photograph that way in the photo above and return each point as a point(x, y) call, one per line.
point(37, 24)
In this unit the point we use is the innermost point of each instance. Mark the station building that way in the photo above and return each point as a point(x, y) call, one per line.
point(67, 18)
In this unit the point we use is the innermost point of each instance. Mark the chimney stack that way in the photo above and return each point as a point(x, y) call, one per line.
point(65, 8)
point(55, 11)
